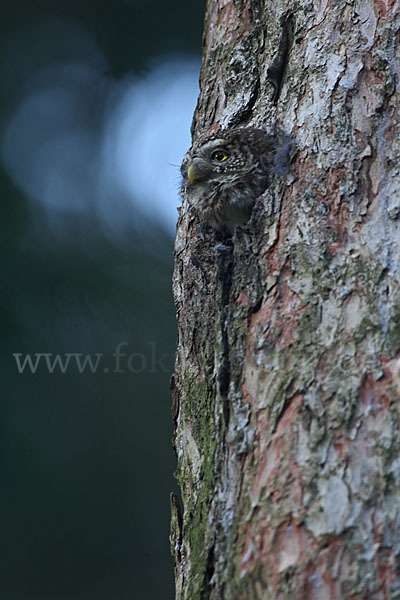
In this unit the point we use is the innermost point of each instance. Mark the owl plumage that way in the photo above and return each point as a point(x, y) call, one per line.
point(225, 173)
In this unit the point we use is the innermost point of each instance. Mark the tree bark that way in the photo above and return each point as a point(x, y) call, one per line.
point(287, 382)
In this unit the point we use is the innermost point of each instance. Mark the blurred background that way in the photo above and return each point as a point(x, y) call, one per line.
point(96, 102)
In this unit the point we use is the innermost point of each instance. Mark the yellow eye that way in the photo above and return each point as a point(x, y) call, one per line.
point(219, 155)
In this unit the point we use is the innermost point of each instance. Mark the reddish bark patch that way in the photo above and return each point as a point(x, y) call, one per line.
point(382, 7)
point(243, 299)
point(318, 585)
point(290, 311)
point(391, 370)
point(385, 567)
point(275, 459)
point(338, 215)
point(274, 462)
point(373, 394)
point(223, 19)
point(340, 444)
point(288, 548)
point(280, 313)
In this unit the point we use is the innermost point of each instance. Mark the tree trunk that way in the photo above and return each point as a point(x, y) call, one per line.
point(287, 383)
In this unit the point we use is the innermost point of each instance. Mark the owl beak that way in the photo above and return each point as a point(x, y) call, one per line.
point(198, 171)
point(192, 173)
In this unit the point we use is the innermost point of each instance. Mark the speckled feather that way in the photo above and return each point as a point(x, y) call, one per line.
point(223, 193)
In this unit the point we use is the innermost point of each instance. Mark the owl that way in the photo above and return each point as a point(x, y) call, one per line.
point(225, 173)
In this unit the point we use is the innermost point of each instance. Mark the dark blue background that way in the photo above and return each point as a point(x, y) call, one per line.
point(86, 462)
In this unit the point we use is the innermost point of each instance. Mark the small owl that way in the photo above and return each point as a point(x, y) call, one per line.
point(225, 173)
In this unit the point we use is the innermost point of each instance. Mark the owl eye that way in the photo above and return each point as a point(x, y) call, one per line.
point(219, 155)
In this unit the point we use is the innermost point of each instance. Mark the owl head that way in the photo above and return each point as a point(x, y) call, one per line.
point(225, 173)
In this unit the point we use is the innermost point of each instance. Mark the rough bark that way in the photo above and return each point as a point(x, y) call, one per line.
point(287, 383)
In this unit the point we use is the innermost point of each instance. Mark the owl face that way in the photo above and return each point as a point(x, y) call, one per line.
point(225, 173)
point(215, 160)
